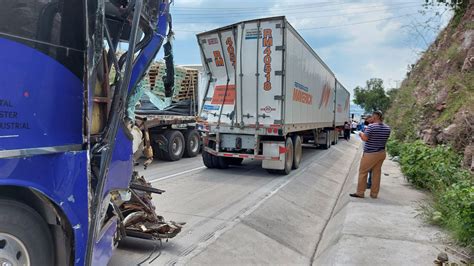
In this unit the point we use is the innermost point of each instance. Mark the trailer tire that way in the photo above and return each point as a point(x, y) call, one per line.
point(155, 145)
point(175, 145)
point(328, 141)
point(298, 151)
point(192, 140)
point(24, 235)
point(334, 137)
point(207, 159)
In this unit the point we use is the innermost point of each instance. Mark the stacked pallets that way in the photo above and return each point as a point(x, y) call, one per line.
point(185, 81)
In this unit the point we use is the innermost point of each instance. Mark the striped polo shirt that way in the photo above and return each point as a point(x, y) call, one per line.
point(378, 135)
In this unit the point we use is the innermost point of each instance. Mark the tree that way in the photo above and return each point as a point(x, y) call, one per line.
point(373, 97)
point(458, 6)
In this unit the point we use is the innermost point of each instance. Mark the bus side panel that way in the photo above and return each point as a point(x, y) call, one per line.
point(41, 101)
point(121, 166)
point(61, 178)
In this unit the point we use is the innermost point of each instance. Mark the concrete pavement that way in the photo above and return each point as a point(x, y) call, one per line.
point(383, 231)
point(244, 215)
point(267, 212)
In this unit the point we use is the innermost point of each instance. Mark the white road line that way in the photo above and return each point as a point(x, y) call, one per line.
point(177, 174)
point(9, 136)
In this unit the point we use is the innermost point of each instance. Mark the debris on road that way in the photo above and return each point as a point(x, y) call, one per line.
point(140, 219)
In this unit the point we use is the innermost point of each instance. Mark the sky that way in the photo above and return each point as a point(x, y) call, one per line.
point(358, 39)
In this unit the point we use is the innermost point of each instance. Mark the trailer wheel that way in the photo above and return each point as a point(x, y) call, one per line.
point(298, 151)
point(328, 141)
point(207, 159)
point(25, 238)
point(334, 137)
point(175, 145)
point(155, 145)
point(193, 143)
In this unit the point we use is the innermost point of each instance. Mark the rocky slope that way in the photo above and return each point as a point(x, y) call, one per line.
point(436, 100)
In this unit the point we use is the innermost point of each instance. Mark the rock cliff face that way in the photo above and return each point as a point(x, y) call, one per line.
point(436, 100)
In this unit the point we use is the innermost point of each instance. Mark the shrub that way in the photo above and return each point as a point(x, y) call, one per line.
point(456, 205)
point(394, 147)
point(438, 169)
point(430, 168)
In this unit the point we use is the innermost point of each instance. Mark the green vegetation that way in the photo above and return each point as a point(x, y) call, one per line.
point(458, 6)
point(404, 114)
point(373, 96)
point(436, 94)
point(438, 169)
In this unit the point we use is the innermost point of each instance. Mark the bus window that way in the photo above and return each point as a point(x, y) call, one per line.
point(53, 27)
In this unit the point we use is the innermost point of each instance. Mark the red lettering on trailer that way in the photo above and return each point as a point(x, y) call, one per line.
point(243, 156)
point(231, 50)
point(228, 155)
point(218, 58)
point(267, 59)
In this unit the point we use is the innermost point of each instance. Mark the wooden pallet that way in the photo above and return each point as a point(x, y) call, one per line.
point(186, 81)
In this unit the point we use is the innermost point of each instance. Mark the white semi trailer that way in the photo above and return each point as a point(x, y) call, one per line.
point(267, 92)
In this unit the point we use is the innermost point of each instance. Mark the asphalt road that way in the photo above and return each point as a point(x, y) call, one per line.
point(211, 201)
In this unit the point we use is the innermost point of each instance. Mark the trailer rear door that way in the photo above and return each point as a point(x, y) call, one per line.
point(245, 63)
point(218, 54)
point(260, 65)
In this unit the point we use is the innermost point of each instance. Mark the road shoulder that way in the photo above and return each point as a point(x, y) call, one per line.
point(383, 231)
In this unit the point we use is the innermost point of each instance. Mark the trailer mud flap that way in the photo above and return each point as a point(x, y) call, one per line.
point(274, 149)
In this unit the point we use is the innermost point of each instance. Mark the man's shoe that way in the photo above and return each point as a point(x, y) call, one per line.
point(374, 197)
point(355, 195)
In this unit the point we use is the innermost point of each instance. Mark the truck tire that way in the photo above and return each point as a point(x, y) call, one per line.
point(334, 137)
point(328, 141)
point(207, 159)
point(25, 238)
point(154, 142)
point(298, 151)
point(192, 140)
point(175, 145)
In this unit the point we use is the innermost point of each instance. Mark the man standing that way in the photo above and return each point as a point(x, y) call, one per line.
point(375, 137)
point(347, 131)
point(354, 126)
